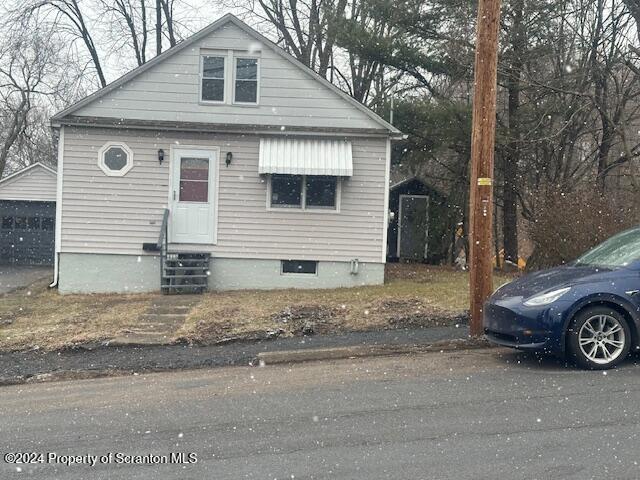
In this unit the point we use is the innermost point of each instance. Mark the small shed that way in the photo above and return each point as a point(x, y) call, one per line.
point(27, 216)
point(419, 223)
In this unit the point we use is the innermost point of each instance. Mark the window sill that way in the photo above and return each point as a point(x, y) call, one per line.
point(196, 247)
point(212, 103)
point(283, 274)
point(245, 105)
point(303, 210)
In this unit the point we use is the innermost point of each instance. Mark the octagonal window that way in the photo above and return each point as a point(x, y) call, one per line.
point(115, 159)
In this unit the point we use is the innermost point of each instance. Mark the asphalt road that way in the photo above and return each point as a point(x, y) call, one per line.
point(476, 414)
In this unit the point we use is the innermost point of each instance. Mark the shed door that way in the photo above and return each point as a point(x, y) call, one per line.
point(413, 225)
point(27, 232)
point(193, 196)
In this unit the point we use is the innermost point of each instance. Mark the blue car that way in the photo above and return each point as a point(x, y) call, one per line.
point(588, 310)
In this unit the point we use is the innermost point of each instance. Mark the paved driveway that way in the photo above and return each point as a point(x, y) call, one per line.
point(12, 276)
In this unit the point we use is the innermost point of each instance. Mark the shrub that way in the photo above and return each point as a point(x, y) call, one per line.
point(568, 224)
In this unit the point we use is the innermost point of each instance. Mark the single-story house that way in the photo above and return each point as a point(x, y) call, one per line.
point(419, 229)
point(27, 216)
point(223, 163)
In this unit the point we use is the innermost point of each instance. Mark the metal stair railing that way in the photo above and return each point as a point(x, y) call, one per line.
point(163, 244)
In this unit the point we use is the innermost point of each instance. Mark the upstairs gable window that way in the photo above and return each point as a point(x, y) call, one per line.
point(213, 78)
point(229, 78)
point(246, 81)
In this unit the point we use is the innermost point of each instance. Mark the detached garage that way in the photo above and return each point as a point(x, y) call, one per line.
point(27, 215)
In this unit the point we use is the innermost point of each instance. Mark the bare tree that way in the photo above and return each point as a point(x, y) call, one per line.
point(366, 79)
point(165, 7)
point(305, 29)
point(73, 13)
point(30, 77)
point(634, 9)
point(168, 8)
point(133, 15)
point(158, 27)
point(104, 26)
point(515, 66)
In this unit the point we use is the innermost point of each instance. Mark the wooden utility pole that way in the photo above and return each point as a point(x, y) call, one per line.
point(482, 153)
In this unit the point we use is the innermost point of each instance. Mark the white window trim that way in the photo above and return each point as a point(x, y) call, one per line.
point(233, 88)
point(303, 207)
point(224, 56)
point(230, 57)
point(115, 173)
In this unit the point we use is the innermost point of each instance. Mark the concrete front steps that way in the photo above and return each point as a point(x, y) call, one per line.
point(158, 325)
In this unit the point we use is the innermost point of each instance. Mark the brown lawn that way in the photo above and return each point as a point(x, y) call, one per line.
point(413, 295)
point(37, 317)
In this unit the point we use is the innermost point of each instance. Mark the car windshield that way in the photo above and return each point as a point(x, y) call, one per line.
point(619, 251)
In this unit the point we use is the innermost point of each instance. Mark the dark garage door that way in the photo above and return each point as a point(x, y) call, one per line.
point(27, 232)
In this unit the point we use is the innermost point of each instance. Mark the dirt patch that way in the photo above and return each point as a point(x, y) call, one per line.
point(415, 312)
point(424, 320)
point(307, 319)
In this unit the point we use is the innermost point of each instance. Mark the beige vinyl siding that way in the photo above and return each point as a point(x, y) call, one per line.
point(288, 96)
point(36, 184)
point(102, 214)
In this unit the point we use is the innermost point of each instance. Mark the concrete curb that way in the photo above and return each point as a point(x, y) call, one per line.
point(255, 359)
point(310, 355)
point(141, 340)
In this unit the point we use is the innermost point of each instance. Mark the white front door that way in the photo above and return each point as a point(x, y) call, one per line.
point(192, 218)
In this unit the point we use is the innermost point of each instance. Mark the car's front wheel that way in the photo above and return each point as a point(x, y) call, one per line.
point(599, 338)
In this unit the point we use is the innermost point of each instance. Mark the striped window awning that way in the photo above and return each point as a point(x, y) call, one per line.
point(305, 157)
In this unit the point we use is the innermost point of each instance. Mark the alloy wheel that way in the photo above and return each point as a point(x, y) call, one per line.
point(601, 339)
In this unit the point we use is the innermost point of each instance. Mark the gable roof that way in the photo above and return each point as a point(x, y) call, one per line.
point(228, 18)
point(415, 180)
point(19, 173)
point(399, 184)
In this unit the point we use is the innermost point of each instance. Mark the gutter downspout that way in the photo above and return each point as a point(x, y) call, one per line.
point(58, 232)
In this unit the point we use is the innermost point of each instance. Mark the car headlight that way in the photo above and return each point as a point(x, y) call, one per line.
point(546, 298)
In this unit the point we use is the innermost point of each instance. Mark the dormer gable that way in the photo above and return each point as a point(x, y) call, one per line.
point(228, 75)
